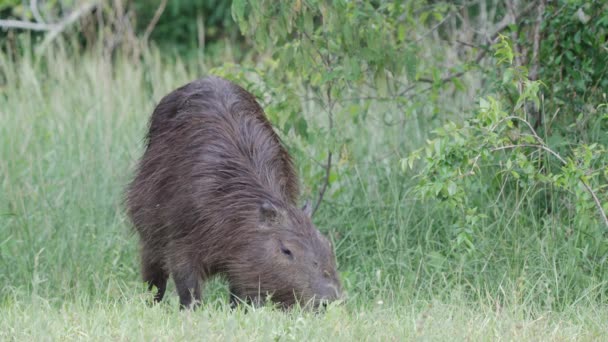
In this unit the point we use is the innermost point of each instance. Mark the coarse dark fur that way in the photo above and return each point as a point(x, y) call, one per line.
point(215, 193)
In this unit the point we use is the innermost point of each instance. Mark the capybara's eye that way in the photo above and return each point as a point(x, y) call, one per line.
point(286, 251)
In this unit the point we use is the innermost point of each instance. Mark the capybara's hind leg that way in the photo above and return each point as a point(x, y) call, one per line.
point(154, 273)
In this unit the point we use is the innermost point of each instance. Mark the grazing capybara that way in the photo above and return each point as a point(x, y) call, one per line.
point(215, 193)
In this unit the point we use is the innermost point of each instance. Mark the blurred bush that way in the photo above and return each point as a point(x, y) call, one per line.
point(187, 24)
point(184, 26)
point(574, 66)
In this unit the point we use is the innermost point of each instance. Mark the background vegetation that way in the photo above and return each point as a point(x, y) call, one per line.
point(456, 151)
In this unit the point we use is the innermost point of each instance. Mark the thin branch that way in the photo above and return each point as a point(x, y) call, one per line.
point(471, 45)
point(326, 60)
point(70, 19)
point(35, 12)
point(432, 29)
point(543, 147)
point(316, 49)
point(330, 105)
point(40, 25)
point(450, 77)
point(25, 25)
point(327, 168)
point(514, 117)
point(154, 21)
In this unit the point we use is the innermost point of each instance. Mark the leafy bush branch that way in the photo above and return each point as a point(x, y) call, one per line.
point(460, 151)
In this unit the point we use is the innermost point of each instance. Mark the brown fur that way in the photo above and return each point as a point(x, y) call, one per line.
point(215, 193)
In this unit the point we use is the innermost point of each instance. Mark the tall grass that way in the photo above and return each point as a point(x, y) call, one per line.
point(71, 130)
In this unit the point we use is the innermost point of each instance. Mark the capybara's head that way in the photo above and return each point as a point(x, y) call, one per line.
point(288, 259)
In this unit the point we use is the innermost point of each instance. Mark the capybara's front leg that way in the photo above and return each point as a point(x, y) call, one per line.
point(188, 288)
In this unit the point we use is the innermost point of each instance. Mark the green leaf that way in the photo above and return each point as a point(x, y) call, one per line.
point(301, 127)
point(238, 13)
point(452, 188)
point(354, 72)
point(381, 83)
point(401, 32)
point(424, 16)
point(333, 176)
point(484, 104)
point(458, 85)
point(308, 24)
point(411, 63)
point(404, 163)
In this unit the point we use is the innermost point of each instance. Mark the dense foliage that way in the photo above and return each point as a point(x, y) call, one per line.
point(185, 25)
point(575, 66)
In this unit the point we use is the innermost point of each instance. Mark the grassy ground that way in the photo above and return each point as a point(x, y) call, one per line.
point(71, 131)
point(128, 319)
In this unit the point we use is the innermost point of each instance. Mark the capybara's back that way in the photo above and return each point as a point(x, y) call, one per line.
point(215, 192)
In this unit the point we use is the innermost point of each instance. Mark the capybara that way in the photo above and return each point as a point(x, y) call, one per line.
point(215, 193)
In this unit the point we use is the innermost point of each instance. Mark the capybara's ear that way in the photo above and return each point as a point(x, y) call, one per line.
point(307, 208)
point(268, 212)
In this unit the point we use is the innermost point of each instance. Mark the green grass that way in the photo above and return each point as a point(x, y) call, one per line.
point(131, 319)
point(71, 131)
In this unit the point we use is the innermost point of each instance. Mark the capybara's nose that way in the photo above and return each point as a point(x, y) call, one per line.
point(330, 293)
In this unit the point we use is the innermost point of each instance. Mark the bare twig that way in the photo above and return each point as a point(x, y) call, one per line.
point(515, 117)
point(40, 25)
point(330, 106)
point(543, 147)
point(471, 45)
point(35, 12)
point(450, 77)
point(154, 21)
point(432, 29)
point(61, 26)
point(25, 25)
point(329, 154)
point(327, 168)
